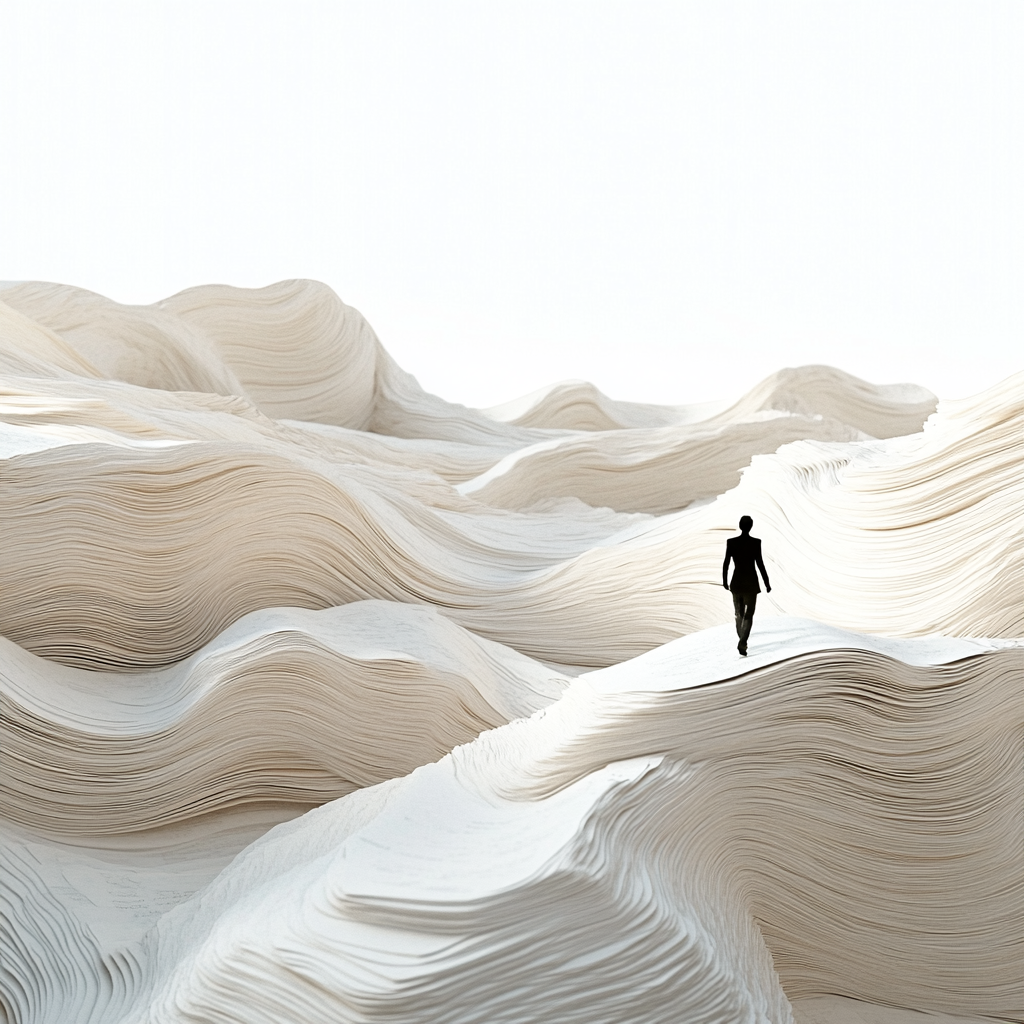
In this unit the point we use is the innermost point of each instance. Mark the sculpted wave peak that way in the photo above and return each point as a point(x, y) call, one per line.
point(655, 471)
point(298, 350)
point(293, 348)
point(878, 410)
point(133, 344)
point(932, 518)
point(578, 405)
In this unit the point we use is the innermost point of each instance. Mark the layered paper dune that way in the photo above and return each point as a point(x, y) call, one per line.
point(324, 699)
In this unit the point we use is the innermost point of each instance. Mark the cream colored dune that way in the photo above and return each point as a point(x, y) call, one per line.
point(133, 344)
point(655, 470)
point(293, 348)
point(286, 705)
point(316, 358)
point(881, 411)
point(27, 347)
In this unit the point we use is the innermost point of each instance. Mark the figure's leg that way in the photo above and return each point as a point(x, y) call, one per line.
point(744, 619)
point(737, 604)
point(749, 604)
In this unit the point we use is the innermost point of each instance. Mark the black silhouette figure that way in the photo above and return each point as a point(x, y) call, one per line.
point(745, 552)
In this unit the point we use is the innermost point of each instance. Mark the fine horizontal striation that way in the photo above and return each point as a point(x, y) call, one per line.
point(287, 705)
point(656, 471)
point(163, 547)
point(673, 836)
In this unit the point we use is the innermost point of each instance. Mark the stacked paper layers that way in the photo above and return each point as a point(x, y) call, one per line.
point(297, 722)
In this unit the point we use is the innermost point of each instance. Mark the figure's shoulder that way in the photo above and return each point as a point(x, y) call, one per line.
point(731, 542)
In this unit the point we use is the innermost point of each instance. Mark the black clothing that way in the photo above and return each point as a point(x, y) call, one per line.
point(744, 551)
point(744, 605)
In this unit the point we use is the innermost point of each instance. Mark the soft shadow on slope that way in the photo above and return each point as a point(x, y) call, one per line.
point(804, 822)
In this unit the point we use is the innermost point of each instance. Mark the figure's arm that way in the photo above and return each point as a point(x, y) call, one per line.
point(764, 573)
point(725, 568)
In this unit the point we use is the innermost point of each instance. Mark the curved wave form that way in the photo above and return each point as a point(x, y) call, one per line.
point(298, 350)
point(878, 410)
point(133, 344)
point(286, 705)
point(654, 471)
point(750, 830)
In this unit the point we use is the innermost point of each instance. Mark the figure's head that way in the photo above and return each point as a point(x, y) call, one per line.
point(746, 523)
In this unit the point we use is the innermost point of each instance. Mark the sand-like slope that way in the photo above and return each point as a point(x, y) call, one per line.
point(163, 543)
point(254, 576)
point(680, 834)
point(148, 749)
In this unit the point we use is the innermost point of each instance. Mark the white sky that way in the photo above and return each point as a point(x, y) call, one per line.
point(669, 199)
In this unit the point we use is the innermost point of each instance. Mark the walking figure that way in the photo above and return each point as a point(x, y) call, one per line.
point(745, 552)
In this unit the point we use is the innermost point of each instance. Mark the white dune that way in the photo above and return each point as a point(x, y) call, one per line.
point(295, 722)
point(639, 850)
point(669, 838)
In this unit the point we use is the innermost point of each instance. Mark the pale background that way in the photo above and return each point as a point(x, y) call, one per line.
point(669, 199)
